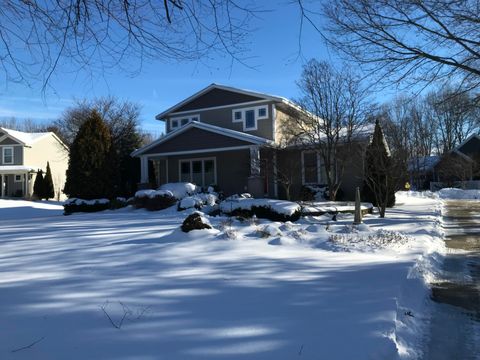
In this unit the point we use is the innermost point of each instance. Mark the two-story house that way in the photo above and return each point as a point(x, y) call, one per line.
point(22, 154)
point(232, 138)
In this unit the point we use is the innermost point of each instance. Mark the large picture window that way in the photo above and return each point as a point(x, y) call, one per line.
point(201, 172)
point(7, 155)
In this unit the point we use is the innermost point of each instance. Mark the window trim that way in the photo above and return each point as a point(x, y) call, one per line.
point(243, 118)
point(180, 118)
point(3, 155)
point(15, 178)
point(190, 161)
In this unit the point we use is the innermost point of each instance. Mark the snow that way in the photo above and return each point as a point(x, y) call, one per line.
point(129, 284)
point(458, 194)
point(283, 207)
point(152, 193)
point(75, 201)
point(24, 137)
point(331, 207)
point(198, 200)
point(180, 190)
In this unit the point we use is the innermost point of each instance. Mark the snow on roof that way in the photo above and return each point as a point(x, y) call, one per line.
point(15, 168)
point(24, 137)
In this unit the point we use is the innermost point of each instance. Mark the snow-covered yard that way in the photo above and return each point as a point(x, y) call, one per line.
point(128, 284)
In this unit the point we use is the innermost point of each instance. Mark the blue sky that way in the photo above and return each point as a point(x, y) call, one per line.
point(273, 48)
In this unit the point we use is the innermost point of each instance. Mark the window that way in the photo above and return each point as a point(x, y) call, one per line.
point(250, 116)
point(250, 122)
point(185, 171)
point(18, 178)
point(310, 167)
point(8, 155)
point(182, 121)
point(198, 171)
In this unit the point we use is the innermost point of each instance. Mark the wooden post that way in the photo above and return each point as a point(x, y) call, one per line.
point(358, 208)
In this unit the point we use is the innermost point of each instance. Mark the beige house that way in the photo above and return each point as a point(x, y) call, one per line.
point(22, 154)
point(233, 138)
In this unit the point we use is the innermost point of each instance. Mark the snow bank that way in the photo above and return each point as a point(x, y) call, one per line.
point(287, 208)
point(180, 190)
point(458, 194)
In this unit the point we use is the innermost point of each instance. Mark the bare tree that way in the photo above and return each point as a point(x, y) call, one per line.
point(417, 41)
point(455, 115)
point(38, 38)
point(334, 105)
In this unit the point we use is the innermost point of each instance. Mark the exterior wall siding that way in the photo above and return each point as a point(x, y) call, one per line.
point(217, 97)
point(9, 141)
point(196, 139)
point(233, 169)
point(18, 154)
point(223, 117)
point(49, 149)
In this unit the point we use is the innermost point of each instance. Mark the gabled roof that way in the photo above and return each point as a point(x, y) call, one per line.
point(27, 138)
point(226, 88)
point(23, 138)
point(254, 140)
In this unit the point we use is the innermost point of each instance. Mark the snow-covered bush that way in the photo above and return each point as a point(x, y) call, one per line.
point(275, 210)
point(195, 221)
point(268, 231)
point(198, 201)
point(74, 205)
point(154, 199)
point(181, 189)
point(366, 240)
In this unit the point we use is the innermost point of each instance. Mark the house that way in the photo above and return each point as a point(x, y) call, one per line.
point(460, 167)
point(233, 138)
point(420, 170)
point(22, 154)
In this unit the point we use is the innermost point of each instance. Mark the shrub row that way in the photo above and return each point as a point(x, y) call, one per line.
point(157, 200)
point(265, 212)
point(79, 205)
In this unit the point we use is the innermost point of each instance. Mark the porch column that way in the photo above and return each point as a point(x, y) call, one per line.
point(254, 161)
point(255, 182)
point(1, 184)
point(144, 169)
point(27, 185)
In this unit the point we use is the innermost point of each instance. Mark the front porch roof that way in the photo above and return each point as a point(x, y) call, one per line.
point(12, 169)
point(246, 138)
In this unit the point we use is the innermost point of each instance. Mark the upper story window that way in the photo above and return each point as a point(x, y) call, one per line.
point(250, 116)
point(7, 155)
point(178, 122)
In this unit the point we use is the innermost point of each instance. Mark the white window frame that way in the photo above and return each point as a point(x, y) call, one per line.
point(3, 155)
point(180, 118)
point(15, 178)
point(318, 167)
point(243, 119)
point(203, 169)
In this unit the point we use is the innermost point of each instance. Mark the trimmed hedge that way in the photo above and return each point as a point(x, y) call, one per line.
point(265, 212)
point(79, 205)
point(160, 202)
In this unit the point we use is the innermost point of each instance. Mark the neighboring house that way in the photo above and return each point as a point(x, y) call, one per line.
point(460, 167)
point(22, 154)
point(421, 170)
point(232, 138)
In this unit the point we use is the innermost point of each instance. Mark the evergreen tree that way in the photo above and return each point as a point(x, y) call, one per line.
point(38, 185)
point(48, 190)
point(379, 184)
point(88, 173)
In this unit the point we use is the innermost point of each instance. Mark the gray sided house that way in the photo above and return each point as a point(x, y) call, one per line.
point(459, 167)
point(232, 138)
point(22, 154)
